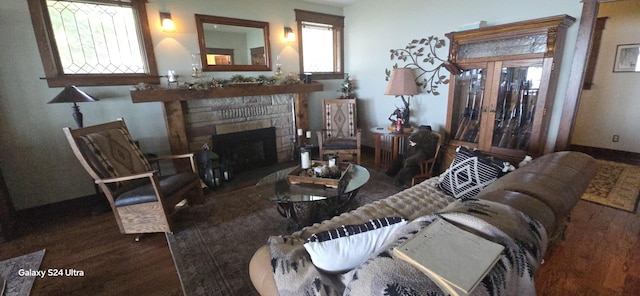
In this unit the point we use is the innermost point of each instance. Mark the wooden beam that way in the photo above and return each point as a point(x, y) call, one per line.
point(181, 94)
point(576, 77)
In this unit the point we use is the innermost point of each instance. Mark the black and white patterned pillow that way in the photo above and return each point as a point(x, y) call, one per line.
point(470, 172)
point(344, 248)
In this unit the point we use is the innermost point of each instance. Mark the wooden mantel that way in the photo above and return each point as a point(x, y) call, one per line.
point(174, 114)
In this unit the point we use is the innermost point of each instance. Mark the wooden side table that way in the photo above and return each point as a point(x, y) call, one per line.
point(7, 211)
point(388, 146)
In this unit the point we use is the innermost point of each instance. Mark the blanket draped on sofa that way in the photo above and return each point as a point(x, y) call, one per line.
point(525, 242)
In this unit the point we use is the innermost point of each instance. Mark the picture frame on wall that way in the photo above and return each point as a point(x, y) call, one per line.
point(627, 58)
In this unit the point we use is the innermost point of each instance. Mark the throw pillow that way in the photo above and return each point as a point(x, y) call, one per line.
point(469, 173)
point(346, 247)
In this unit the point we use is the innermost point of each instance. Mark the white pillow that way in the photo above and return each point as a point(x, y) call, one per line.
point(344, 248)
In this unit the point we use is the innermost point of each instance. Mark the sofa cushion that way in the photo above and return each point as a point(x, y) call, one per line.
point(470, 172)
point(558, 180)
point(343, 248)
point(526, 204)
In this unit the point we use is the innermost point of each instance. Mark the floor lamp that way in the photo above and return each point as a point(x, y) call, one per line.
point(71, 94)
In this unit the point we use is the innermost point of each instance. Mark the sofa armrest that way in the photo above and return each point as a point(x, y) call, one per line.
point(558, 180)
point(260, 272)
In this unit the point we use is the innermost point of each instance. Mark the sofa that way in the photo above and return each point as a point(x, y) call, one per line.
point(525, 210)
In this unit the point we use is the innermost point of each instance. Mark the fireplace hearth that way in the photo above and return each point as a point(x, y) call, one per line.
point(247, 149)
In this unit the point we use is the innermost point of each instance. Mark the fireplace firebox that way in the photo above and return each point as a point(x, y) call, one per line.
point(247, 149)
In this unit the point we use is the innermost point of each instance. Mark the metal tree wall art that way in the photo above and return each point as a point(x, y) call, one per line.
point(421, 55)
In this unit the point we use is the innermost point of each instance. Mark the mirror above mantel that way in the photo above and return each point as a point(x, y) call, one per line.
point(230, 44)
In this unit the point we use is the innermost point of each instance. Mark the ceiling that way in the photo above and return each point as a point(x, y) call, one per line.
point(339, 3)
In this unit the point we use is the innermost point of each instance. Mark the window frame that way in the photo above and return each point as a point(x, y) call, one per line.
point(54, 73)
point(337, 22)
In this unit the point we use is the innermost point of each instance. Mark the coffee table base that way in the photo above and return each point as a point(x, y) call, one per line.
point(301, 214)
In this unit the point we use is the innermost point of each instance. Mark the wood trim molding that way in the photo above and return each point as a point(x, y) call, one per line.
point(180, 94)
point(593, 52)
point(576, 77)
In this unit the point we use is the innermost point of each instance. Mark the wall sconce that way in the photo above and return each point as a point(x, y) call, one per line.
point(167, 22)
point(288, 34)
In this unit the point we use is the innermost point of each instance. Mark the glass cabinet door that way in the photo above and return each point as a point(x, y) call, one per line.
point(467, 104)
point(515, 108)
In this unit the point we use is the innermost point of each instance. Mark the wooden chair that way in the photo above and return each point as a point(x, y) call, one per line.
point(141, 200)
point(426, 167)
point(340, 134)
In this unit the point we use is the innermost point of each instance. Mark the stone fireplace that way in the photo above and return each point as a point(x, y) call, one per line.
point(212, 120)
point(193, 116)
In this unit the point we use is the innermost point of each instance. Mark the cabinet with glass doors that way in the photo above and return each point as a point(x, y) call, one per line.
point(503, 87)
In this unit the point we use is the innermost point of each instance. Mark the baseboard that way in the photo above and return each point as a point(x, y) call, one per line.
point(608, 154)
point(90, 203)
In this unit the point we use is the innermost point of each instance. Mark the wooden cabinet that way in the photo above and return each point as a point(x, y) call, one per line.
point(501, 100)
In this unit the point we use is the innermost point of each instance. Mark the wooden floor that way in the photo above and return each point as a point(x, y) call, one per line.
point(599, 256)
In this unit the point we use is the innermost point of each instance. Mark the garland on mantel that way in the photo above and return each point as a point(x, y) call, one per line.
point(235, 80)
point(241, 80)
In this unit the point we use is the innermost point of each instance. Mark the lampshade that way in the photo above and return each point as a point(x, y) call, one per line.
point(72, 94)
point(402, 83)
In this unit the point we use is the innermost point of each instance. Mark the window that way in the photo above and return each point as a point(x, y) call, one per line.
point(321, 44)
point(98, 42)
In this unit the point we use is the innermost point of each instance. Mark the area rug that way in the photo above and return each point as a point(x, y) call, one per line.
point(616, 185)
point(12, 270)
point(213, 243)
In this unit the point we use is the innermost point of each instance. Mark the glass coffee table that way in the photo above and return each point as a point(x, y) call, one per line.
point(305, 204)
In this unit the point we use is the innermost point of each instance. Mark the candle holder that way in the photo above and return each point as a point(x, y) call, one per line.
point(305, 157)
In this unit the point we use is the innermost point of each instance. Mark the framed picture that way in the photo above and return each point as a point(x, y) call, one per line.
point(627, 58)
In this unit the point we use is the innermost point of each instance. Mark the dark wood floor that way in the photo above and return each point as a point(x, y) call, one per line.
point(599, 256)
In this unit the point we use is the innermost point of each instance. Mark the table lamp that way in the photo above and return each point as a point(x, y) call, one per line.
point(72, 94)
point(402, 83)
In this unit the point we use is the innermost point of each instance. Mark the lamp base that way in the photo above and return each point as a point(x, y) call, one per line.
point(392, 128)
point(77, 116)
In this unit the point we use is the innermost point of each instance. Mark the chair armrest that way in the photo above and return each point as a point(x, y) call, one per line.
point(178, 156)
point(149, 174)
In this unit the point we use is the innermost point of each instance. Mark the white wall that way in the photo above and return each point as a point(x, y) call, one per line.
point(36, 160)
point(373, 27)
point(611, 105)
point(39, 167)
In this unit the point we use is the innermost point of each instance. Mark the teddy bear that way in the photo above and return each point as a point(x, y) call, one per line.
point(422, 146)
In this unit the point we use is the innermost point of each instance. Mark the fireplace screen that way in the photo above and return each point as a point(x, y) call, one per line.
point(247, 149)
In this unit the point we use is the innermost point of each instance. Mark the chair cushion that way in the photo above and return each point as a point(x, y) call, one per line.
point(168, 185)
point(339, 144)
point(116, 154)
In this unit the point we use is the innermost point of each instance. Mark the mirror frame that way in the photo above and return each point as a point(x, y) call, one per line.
point(202, 19)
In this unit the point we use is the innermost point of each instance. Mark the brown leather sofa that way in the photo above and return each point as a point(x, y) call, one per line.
point(546, 189)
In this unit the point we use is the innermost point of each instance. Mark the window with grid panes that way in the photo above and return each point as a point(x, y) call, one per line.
point(321, 44)
point(99, 42)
